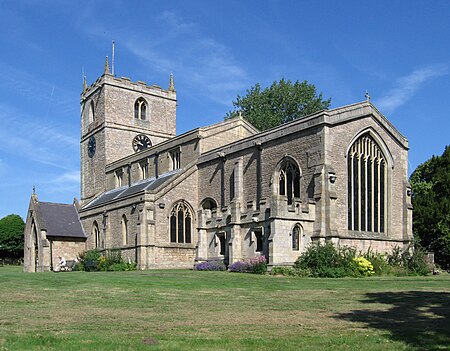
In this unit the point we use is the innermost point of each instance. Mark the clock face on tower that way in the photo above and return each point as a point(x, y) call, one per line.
point(91, 146)
point(141, 142)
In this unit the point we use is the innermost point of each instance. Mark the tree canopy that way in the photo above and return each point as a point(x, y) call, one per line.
point(11, 236)
point(282, 102)
point(431, 200)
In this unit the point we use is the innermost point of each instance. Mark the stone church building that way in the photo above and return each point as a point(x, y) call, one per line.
point(224, 192)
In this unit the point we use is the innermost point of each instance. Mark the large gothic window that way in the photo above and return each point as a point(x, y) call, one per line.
point(289, 181)
point(140, 109)
point(366, 170)
point(181, 223)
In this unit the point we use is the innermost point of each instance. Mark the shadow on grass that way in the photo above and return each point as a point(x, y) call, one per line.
point(419, 318)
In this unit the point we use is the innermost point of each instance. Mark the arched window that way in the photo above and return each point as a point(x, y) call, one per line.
point(181, 223)
point(140, 109)
point(296, 234)
point(209, 204)
point(289, 180)
point(91, 115)
point(366, 172)
point(124, 230)
point(96, 234)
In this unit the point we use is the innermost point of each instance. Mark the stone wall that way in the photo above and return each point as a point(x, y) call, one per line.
point(115, 125)
point(339, 139)
point(67, 248)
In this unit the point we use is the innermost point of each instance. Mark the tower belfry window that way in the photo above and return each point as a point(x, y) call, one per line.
point(367, 178)
point(140, 109)
point(91, 112)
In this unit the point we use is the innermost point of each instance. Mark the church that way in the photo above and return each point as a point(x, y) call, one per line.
point(224, 192)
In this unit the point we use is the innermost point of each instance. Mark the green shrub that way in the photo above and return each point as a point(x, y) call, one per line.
point(395, 258)
point(408, 262)
point(325, 260)
point(93, 260)
point(415, 262)
point(379, 262)
point(365, 267)
point(286, 271)
point(90, 260)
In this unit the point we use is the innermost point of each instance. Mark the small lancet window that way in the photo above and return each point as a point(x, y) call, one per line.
point(96, 234)
point(296, 233)
point(124, 230)
point(140, 109)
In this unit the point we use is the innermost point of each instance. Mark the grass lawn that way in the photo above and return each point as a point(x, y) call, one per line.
point(187, 310)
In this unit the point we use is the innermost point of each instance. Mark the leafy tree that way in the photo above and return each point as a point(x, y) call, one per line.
point(11, 236)
point(431, 200)
point(282, 102)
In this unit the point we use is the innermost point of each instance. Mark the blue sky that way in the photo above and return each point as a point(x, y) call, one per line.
point(399, 51)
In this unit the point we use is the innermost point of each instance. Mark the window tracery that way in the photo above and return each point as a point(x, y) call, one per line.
point(367, 178)
point(140, 109)
point(289, 181)
point(181, 223)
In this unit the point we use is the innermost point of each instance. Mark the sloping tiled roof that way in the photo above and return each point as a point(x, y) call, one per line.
point(61, 220)
point(122, 192)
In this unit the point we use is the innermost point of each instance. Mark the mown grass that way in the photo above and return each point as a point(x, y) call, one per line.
point(190, 310)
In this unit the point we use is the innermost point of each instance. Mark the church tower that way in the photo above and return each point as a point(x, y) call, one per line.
point(119, 118)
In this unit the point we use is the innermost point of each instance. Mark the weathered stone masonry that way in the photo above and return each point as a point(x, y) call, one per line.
point(227, 192)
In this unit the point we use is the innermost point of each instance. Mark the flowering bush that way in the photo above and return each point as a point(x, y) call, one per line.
point(324, 260)
point(365, 268)
point(210, 266)
point(240, 267)
point(256, 265)
point(93, 260)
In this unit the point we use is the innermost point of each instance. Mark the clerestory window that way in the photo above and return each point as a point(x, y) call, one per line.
point(144, 169)
point(174, 159)
point(119, 178)
point(140, 109)
point(181, 223)
point(366, 172)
